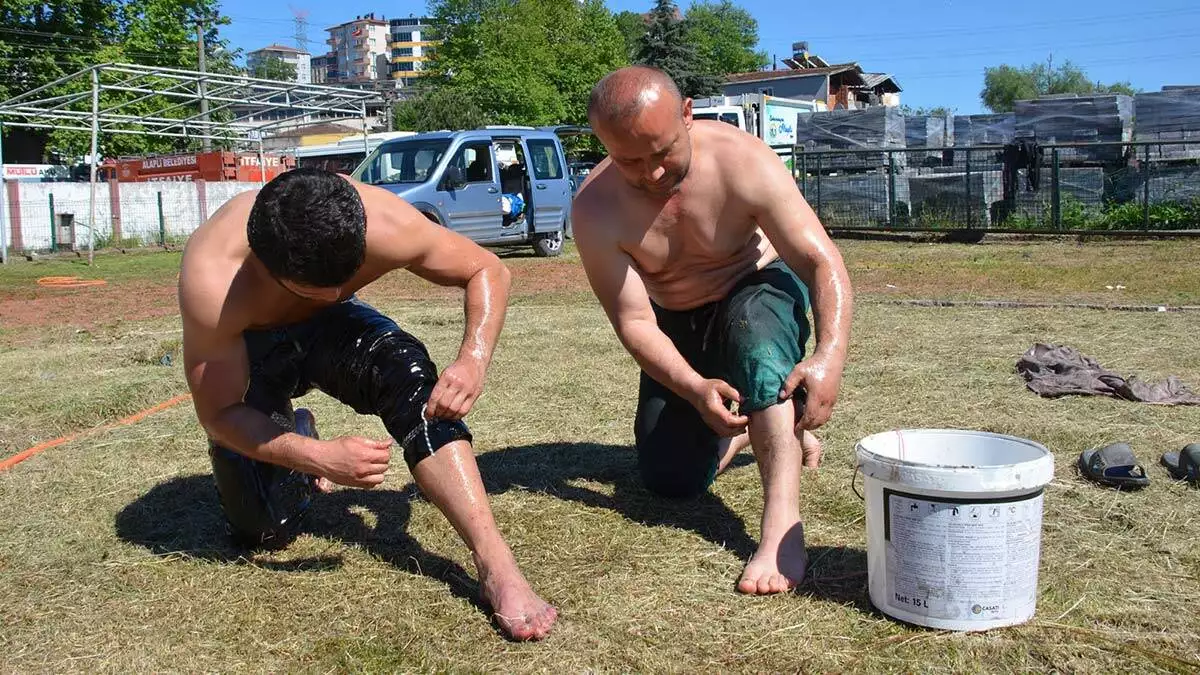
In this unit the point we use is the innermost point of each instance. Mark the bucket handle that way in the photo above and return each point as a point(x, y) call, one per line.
point(854, 482)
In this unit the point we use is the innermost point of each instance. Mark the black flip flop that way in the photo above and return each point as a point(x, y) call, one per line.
point(1185, 464)
point(1113, 465)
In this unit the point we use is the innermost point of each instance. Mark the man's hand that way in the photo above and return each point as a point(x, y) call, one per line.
point(456, 390)
point(710, 398)
point(354, 461)
point(820, 376)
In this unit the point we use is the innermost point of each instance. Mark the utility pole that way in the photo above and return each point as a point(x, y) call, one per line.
point(205, 143)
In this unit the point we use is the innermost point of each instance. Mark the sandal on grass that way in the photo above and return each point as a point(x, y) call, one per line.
point(1113, 465)
point(1185, 464)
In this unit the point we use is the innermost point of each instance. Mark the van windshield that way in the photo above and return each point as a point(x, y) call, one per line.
point(402, 162)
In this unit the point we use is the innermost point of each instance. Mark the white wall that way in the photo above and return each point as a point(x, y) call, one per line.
point(139, 209)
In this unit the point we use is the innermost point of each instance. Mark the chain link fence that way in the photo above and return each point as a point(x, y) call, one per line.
point(1114, 188)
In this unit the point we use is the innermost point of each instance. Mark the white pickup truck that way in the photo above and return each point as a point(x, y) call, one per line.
point(771, 118)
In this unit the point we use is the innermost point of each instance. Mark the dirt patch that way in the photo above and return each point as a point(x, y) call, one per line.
point(89, 307)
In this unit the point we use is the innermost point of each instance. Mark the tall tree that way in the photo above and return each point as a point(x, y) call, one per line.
point(666, 46)
point(725, 36)
point(1004, 85)
point(632, 26)
point(525, 61)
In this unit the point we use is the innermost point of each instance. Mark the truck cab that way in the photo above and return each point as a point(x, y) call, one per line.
point(498, 186)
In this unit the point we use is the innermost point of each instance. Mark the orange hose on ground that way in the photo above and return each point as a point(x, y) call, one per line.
point(69, 282)
point(16, 459)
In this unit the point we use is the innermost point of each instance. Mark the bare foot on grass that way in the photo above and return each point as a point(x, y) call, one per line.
point(521, 614)
point(779, 563)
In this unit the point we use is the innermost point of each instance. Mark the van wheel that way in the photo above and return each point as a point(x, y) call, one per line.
point(548, 245)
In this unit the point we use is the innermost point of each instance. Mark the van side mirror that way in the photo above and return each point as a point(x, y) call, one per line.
point(454, 178)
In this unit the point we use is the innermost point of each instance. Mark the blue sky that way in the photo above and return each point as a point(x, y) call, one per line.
point(937, 49)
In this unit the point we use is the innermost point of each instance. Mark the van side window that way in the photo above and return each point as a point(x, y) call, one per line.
point(545, 160)
point(475, 160)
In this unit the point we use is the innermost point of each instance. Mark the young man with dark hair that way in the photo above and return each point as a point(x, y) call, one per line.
point(266, 293)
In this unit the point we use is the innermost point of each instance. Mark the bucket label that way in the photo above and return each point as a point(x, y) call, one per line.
point(962, 559)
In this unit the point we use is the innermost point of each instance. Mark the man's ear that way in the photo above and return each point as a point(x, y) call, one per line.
point(687, 112)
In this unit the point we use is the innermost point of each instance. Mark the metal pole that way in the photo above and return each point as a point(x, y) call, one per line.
point(366, 145)
point(1146, 187)
point(891, 188)
point(95, 152)
point(804, 174)
point(162, 224)
point(3, 204)
point(262, 165)
point(819, 156)
point(970, 206)
point(205, 142)
point(1055, 192)
point(53, 226)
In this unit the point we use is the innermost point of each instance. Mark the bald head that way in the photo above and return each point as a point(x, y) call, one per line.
point(622, 94)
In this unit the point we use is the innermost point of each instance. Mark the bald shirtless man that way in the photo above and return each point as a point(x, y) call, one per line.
point(693, 235)
point(266, 292)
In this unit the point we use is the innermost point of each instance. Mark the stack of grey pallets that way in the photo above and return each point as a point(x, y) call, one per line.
point(928, 131)
point(984, 129)
point(1169, 115)
point(1106, 119)
point(873, 128)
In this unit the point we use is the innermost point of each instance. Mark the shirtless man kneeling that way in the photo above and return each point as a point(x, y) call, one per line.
point(702, 252)
point(266, 292)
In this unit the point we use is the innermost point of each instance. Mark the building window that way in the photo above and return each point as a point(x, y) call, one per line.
point(406, 67)
point(403, 37)
point(402, 51)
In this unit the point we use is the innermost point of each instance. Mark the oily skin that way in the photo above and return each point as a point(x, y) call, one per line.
point(680, 211)
point(225, 290)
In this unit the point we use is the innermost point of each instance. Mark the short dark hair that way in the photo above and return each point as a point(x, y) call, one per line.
point(309, 226)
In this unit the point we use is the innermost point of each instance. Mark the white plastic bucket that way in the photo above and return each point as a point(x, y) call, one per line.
point(954, 526)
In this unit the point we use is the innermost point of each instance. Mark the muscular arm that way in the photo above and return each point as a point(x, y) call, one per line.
point(217, 372)
point(792, 227)
point(623, 296)
point(437, 254)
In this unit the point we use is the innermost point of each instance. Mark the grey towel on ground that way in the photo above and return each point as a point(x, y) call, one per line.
point(1055, 370)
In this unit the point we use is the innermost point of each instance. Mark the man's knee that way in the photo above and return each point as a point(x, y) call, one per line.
point(676, 471)
point(427, 436)
point(263, 503)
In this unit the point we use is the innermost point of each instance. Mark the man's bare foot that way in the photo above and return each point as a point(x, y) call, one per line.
point(810, 448)
point(779, 563)
point(521, 614)
point(732, 448)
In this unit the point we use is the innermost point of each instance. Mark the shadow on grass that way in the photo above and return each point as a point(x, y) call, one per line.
point(183, 517)
point(555, 468)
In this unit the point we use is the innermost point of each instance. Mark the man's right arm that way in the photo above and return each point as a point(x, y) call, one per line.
point(623, 296)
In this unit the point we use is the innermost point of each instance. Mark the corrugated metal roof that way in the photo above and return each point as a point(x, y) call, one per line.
point(872, 80)
point(764, 75)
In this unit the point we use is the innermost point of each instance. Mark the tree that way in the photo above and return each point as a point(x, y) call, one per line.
point(1004, 85)
point(530, 62)
point(47, 41)
point(632, 26)
point(434, 108)
point(725, 36)
point(274, 68)
point(665, 45)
